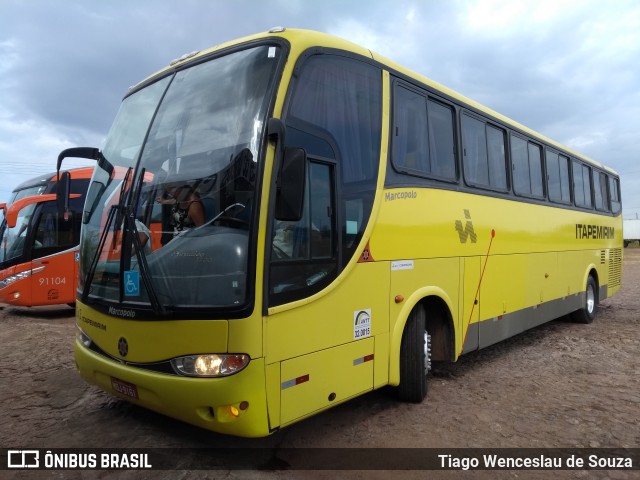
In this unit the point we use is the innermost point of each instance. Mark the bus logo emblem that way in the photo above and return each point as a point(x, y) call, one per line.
point(467, 231)
point(123, 347)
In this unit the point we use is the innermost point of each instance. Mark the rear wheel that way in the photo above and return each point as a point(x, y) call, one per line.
point(588, 311)
point(415, 357)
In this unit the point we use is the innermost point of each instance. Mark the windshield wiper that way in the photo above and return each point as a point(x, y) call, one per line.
point(94, 261)
point(123, 191)
point(114, 212)
point(123, 215)
point(131, 227)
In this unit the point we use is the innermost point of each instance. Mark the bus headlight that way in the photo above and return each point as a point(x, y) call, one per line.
point(210, 365)
point(15, 278)
point(20, 276)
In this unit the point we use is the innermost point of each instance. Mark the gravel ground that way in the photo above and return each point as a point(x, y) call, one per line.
point(559, 385)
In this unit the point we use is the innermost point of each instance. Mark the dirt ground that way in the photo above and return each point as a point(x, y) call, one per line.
point(559, 385)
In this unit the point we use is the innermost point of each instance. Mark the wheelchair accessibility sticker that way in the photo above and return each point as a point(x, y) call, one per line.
point(131, 284)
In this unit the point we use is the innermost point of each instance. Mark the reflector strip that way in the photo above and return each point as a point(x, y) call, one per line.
point(360, 360)
point(295, 381)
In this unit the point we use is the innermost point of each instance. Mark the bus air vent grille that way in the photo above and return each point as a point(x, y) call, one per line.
point(615, 267)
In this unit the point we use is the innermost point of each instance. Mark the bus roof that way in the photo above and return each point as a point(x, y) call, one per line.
point(300, 40)
point(76, 173)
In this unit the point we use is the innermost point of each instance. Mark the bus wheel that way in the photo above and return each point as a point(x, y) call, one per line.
point(588, 311)
point(415, 358)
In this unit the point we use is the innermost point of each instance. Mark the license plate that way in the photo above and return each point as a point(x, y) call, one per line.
point(125, 388)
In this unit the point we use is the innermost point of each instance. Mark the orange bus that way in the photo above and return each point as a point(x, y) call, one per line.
point(39, 240)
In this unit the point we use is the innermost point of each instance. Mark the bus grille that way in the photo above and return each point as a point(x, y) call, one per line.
point(615, 267)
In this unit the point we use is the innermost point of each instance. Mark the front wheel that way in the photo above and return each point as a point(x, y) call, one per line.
point(588, 311)
point(415, 358)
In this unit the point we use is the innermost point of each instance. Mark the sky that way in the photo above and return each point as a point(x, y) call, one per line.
point(569, 69)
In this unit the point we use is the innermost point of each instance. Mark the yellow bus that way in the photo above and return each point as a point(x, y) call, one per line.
point(332, 223)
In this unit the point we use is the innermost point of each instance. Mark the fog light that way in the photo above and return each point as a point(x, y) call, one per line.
point(228, 413)
point(83, 338)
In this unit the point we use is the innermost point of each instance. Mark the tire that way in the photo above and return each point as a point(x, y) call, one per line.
point(414, 358)
point(588, 311)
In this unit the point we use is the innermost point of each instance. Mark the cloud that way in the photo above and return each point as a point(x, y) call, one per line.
point(568, 69)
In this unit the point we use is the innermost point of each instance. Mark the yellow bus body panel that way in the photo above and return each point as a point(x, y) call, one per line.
point(536, 254)
point(322, 379)
point(205, 402)
point(152, 341)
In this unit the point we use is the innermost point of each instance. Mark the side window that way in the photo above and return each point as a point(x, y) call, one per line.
point(339, 100)
point(410, 144)
point(582, 185)
point(600, 191)
point(520, 166)
point(558, 177)
point(614, 189)
point(553, 177)
point(565, 183)
point(535, 170)
point(496, 157)
point(484, 154)
point(474, 158)
point(53, 234)
point(526, 160)
point(441, 140)
point(423, 142)
point(335, 114)
point(304, 253)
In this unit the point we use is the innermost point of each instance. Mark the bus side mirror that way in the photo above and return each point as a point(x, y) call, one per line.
point(62, 195)
point(290, 185)
point(79, 152)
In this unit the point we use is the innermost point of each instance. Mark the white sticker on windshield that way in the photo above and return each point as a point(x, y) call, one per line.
point(272, 52)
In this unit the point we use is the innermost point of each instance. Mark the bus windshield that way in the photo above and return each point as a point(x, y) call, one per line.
point(12, 240)
point(27, 192)
point(169, 211)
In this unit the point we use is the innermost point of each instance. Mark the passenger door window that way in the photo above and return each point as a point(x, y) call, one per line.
point(335, 114)
point(304, 252)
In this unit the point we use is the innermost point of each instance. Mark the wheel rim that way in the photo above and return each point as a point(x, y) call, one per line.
point(591, 299)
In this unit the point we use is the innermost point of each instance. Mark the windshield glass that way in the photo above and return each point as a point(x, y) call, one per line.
point(27, 192)
point(12, 240)
point(178, 224)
